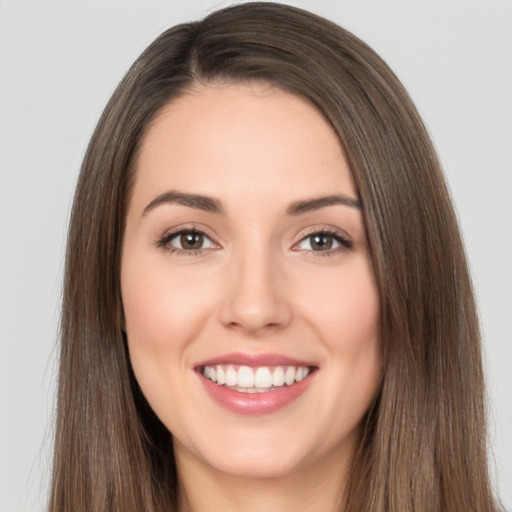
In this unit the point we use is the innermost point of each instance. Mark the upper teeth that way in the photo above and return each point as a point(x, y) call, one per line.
point(262, 377)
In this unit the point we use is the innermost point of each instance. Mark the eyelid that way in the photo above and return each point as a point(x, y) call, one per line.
point(339, 235)
point(342, 238)
point(177, 237)
point(170, 234)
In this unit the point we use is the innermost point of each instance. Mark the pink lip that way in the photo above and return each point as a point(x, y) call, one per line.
point(253, 360)
point(254, 403)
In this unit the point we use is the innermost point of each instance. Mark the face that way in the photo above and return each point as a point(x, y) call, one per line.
point(250, 301)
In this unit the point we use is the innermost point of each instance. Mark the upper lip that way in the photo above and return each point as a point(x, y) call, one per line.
point(254, 360)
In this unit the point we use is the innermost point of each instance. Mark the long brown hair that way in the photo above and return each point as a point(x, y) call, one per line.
point(423, 441)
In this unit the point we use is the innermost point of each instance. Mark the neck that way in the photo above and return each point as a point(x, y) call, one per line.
point(308, 489)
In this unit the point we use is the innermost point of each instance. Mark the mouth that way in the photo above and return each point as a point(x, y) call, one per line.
point(255, 385)
point(261, 379)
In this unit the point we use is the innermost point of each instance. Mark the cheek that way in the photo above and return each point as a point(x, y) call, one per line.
point(346, 309)
point(163, 307)
point(164, 311)
point(346, 317)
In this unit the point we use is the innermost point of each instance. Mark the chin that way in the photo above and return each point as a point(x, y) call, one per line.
point(264, 453)
point(256, 466)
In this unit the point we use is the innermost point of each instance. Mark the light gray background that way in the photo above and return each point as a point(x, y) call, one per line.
point(59, 62)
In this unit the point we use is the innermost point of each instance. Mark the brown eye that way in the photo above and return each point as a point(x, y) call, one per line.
point(191, 241)
point(321, 242)
point(187, 241)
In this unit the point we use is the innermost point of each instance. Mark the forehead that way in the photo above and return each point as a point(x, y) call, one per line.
point(241, 140)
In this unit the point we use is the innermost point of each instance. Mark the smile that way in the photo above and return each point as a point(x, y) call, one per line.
point(262, 379)
point(247, 384)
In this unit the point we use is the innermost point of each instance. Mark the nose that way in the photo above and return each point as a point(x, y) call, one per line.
point(255, 298)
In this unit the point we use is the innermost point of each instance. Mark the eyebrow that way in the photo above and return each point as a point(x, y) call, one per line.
point(308, 205)
point(212, 205)
point(200, 202)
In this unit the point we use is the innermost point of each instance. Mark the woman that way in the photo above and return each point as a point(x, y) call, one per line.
point(266, 301)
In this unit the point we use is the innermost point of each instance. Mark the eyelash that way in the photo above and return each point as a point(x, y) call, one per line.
point(344, 243)
point(168, 237)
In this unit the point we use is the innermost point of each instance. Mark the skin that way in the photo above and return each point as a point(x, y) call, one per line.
point(257, 285)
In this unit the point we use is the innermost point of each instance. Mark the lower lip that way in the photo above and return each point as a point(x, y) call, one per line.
point(252, 404)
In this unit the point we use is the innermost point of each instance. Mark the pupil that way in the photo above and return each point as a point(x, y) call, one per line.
point(321, 242)
point(191, 240)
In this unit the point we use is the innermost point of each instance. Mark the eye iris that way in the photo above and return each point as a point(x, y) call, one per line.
point(321, 242)
point(191, 240)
